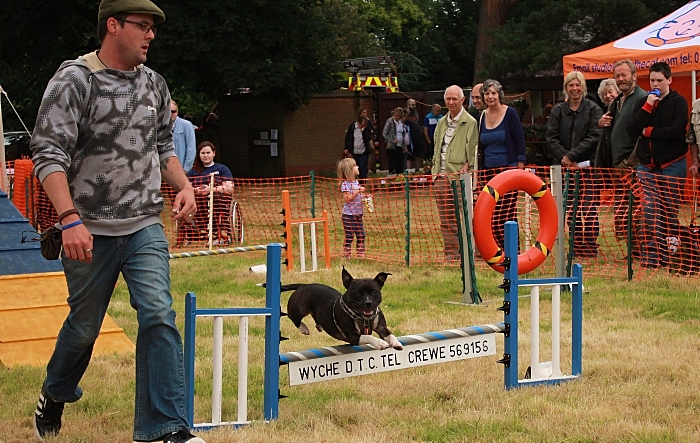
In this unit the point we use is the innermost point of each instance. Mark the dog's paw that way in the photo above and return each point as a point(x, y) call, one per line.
point(376, 343)
point(394, 342)
point(319, 328)
point(303, 328)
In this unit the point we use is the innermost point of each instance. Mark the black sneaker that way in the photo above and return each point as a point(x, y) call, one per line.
point(182, 436)
point(47, 417)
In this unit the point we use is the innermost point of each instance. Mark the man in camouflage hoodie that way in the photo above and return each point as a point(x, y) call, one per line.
point(101, 146)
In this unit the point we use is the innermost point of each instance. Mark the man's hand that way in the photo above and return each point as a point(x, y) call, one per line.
point(77, 241)
point(652, 99)
point(694, 164)
point(184, 205)
point(606, 120)
point(565, 162)
point(694, 169)
point(464, 169)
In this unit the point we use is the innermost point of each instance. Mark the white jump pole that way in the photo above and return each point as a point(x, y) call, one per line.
point(535, 332)
point(243, 369)
point(302, 246)
point(556, 323)
point(314, 254)
point(217, 370)
point(210, 228)
point(302, 249)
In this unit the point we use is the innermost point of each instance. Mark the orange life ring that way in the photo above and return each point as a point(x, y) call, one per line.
point(512, 180)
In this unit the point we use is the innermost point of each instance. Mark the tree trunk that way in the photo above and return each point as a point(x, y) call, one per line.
point(492, 15)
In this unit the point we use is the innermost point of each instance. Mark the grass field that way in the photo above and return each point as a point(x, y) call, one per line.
point(641, 354)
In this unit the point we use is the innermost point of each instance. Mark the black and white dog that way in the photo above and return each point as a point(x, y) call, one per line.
point(350, 317)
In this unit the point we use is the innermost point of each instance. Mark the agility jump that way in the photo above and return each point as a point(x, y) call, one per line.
point(288, 222)
point(347, 361)
point(343, 361)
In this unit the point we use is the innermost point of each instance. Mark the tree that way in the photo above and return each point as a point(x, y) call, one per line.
point(32, 46)
point(492, 15)
point(268, 47)
point(538, 33)
point(447, 50)
point(289, 49)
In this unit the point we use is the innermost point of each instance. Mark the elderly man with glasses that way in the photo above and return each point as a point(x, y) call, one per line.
point(101, 146)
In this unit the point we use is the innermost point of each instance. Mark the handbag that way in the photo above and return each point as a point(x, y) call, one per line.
point(51, 242)
point(479, 166)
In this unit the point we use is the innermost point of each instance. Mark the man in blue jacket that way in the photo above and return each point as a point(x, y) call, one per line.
point(183, 138)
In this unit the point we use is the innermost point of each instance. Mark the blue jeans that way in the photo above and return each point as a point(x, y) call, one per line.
point(362, 160)
point(142, 258)
point(586, 229)
point(661, 194)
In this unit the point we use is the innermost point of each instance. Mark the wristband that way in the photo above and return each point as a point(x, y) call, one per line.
point(72, 225)
point(67, 213)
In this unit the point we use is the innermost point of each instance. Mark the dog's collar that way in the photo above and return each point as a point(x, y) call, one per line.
point(363, 322)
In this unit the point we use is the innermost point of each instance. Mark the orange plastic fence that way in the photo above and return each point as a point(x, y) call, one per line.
point(22, 186)
point(413, 215)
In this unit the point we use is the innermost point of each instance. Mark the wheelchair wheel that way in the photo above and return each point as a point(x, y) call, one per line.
point(236, 224)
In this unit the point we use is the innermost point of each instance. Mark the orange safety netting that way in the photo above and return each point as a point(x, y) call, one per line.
point(413, 215)
point(22, 186)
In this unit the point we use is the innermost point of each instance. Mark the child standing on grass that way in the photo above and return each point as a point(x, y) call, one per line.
point(352, 209)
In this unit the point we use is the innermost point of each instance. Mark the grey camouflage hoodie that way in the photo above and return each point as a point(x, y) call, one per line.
point(109, 144)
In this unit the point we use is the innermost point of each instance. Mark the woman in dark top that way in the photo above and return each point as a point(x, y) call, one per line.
point(572, 139)
point(358, 141)
point(501, 146)
point(204, 166)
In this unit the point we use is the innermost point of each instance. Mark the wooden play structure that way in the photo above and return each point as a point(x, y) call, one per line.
point(33, 298)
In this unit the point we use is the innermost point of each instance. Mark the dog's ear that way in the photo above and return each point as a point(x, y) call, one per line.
point(381, 278)
point(347, 278)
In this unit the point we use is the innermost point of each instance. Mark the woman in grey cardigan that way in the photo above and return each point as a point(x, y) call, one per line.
point(394, 141)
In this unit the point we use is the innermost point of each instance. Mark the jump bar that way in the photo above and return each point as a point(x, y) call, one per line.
point(331, 351)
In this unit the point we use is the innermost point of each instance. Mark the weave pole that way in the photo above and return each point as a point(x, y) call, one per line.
point(288, 222)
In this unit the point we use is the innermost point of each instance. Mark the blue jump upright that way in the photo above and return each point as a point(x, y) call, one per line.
point(272, 314)
point(511, 285)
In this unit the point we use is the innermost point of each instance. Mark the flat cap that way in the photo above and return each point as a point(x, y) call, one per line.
point(110, 7)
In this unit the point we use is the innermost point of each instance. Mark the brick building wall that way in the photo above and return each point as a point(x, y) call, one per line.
point(310, 138)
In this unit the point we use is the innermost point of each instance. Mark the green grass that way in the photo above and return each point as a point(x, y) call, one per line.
point(639, 384)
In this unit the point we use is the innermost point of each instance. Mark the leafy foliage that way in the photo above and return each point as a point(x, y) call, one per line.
point(447, 50)
point(538, 33)
point(33, 45)
point(287, 49)
point(293, 49)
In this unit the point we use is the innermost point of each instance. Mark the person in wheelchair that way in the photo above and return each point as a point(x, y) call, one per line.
point(204, 165)
point(227, 222)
